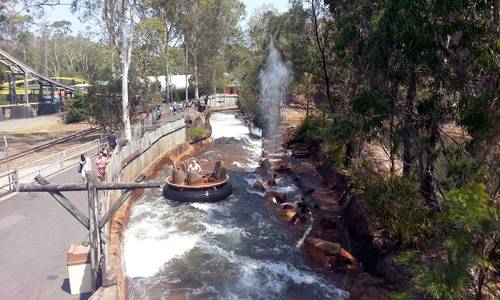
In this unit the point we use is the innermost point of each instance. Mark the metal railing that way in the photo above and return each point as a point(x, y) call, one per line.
point(138, 146)
point(48, 165)
point(220, 100)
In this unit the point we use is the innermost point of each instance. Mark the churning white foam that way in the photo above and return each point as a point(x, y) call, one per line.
point(271, 277)
point(145, 257)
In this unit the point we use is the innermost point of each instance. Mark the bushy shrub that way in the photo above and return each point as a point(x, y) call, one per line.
point(311, 129)
point(196, 134)
point(398, 207)
point(77, 109)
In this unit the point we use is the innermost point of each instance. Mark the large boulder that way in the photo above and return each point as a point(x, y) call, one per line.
point(330, 255)
point(368, 287)
point(258, 185)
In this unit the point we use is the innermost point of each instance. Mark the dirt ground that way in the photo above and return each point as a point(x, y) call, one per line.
point(23, 134)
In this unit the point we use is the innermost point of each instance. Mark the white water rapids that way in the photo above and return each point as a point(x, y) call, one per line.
point(238, 248)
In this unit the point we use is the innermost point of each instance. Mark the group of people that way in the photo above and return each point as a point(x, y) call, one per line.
point(218, 173)
point(101, 162)
point(192, 173)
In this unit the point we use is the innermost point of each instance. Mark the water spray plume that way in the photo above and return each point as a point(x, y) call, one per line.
point(274, 81)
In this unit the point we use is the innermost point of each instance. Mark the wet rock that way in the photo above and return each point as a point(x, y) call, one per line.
point(271, 182)
point(392, 272)
point(260, 171)
point(282, 168)
point(330, 255)
point(289, 214)
point(258, 185)
point(327, 223)
point(368, 287)
point(287, 205)
point(270, 164)
point(275, 197)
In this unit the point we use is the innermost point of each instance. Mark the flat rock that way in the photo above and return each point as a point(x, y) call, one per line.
point(368, 287)
point(329, 255)
point(258, 185)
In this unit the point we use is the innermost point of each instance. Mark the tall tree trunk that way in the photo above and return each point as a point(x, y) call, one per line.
point(321, 48)
point(125, 58)
point(427, 184)
point(496, 15)
point(195, 71)
point(186, 70)
point(214, 86)
point(167, 64)
point(112, 61)
point(408, 123)
point(195, 53)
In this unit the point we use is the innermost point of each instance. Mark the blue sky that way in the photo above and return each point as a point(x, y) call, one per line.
point(63, 12)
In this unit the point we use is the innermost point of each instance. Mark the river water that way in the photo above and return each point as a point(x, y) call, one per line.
point(238, 248)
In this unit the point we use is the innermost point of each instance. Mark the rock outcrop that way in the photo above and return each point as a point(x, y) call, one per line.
point(368, 287)
point(330, 255)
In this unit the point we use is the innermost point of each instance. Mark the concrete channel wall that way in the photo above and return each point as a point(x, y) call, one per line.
point(126, 165)
point(144, 156)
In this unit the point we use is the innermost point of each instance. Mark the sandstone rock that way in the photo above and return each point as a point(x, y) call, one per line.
point(258, 185)
point(289, 214)
point(330, 255)
point(260, 170)
point(368, 287)
point(288, 205)
point(271, 182)
point(392, 272)
point(275, 197)
point(327, 223)
point(282, 168)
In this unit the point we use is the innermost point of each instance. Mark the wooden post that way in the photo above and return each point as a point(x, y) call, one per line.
point(94, 240)
point(107, 216)
point(70, 207)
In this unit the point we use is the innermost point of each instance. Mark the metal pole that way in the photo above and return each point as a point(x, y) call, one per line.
point(26, 98)
point(52, 93)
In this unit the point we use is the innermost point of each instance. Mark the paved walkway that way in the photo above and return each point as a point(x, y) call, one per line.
point(35, 233)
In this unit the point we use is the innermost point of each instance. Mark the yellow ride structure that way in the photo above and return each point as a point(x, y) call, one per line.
point(33, 86)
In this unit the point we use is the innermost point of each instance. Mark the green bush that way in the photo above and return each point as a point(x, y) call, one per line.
point(77, 109)
point(196, 134)
point(311, 129)
point(464, 247)
point(398, 207)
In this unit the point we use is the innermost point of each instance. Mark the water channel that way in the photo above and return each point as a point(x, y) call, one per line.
point(239, 248)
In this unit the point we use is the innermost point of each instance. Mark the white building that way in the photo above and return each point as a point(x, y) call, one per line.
point(178, 81)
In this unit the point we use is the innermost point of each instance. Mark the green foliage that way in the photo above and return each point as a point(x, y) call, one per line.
point(470, 225)
point(311, 128)
point(475, 113)
point(196, 134)
point(77, 109)
point(398, 207)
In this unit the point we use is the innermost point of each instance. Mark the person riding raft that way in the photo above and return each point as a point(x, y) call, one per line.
point(192, 174)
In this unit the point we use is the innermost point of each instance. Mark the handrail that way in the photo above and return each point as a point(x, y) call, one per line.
point(79, 147)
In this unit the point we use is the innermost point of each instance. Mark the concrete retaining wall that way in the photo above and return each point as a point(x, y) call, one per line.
point(149, 161)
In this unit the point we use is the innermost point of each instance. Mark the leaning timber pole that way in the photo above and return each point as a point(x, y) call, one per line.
point(94, 240)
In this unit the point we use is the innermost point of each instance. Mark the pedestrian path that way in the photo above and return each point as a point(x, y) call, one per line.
point(35, 233)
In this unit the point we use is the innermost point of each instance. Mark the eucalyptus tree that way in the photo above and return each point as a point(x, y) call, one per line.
point(119, 17)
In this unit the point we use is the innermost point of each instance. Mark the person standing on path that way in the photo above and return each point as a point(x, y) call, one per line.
point(101, 164)
point(112, 140)
point(84, 167)
point(175, 107)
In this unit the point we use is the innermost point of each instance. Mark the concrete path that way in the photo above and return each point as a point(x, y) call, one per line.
point(35, 233)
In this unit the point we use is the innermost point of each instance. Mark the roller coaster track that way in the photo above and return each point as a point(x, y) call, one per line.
point(4, 87)
point(18, 67)
point(48, 145)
